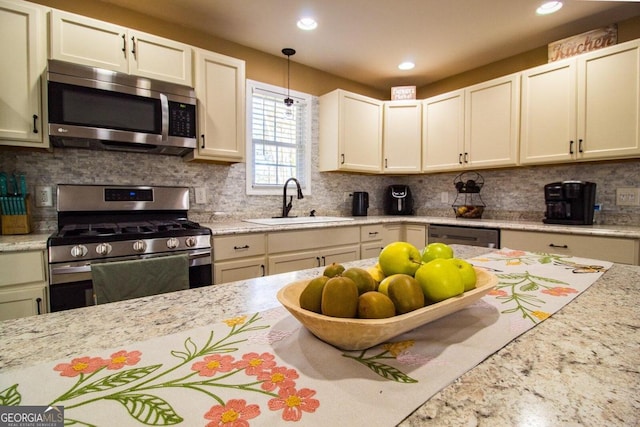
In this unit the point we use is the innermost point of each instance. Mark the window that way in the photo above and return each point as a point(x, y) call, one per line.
point(278, 139)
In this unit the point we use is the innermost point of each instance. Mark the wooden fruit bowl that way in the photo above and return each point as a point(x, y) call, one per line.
point(360, 334)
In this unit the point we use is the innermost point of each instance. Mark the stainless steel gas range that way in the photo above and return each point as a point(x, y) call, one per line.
point(106, 223)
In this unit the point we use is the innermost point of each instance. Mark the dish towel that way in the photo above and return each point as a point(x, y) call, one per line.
point(121, 280)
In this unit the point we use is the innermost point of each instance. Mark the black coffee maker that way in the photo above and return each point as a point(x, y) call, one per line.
point(569, 202)
point(360, 203)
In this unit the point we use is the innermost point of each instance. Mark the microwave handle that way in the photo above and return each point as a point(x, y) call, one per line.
point(164, 104)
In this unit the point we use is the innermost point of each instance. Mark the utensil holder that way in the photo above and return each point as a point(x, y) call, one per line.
point(12, 219)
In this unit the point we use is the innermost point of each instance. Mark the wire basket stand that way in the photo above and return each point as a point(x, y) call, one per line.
point(468, 203)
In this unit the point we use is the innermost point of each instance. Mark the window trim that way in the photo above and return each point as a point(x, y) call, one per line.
point(249, 165)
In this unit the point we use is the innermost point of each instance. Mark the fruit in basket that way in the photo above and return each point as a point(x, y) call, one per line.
point(375, 305)
point(467, 273)
point(377, 273)
point(383, 287)
point(333, 269)
point(406, 293)
point(361, 278)
point(340, 297)
point(440, 279)
point(311, 295)
point(436, 250)
point(399, 258)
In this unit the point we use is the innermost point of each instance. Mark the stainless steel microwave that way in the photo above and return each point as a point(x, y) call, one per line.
point(100, 109)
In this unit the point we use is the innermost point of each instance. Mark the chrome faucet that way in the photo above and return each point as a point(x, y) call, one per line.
point(286, 207)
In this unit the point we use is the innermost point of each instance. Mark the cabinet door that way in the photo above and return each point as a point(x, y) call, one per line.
point(443, 132)
point(371, 249)
point(392, 233)
point(340, 254)
point(283, 263)
point(416, 234)
point(240, 269)
point(23, 51)
point(609, 102)
point(158, 58)
point(88, 41)
point(548, 124)
point(492, 115)
point(22, 302)
point(220, 88)
point(402, 137)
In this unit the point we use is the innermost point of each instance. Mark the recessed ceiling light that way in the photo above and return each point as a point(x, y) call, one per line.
point(307, 24)
point(406, 65)
point(549, 7)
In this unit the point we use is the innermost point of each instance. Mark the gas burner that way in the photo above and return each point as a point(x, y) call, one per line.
point(74, 230)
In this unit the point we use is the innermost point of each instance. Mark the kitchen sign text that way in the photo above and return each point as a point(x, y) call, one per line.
point(582, 43)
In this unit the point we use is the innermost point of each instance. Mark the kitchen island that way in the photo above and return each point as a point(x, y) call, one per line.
point(578, 367)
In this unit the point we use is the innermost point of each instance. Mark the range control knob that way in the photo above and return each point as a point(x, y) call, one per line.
point(139, 246)
point(103, 249)
point(173, 243)
point(78, 251)
point(190, 241)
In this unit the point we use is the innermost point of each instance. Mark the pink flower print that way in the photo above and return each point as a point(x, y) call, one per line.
point(512, 254)
point(234, 414)
point(121, 358)
point(293, 403)
point(498, 293)
point(559, 291)
point(281, 377)
point(255, 364)
point(213, 364)
point(80, 365)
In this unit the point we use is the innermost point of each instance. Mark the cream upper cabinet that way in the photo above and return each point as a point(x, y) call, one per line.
point(476, 127)
point(350, 133)
point(23, 47)
point(220, 88)
point(583, 108)
point(82, 40)
point(402, 137)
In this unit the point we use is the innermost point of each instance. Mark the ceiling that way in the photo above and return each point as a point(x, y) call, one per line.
point(365, 40)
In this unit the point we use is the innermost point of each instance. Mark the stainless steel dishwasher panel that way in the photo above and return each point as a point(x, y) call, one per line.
point(473, 236)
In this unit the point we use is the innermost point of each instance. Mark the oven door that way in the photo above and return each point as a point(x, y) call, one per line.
point(70, 284)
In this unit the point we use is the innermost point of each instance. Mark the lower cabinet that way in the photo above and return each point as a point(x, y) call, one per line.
point(23, 284)
point(310, 259)
point(371, 240)
point(416, 234)
point(614, 249)
point(239, 257)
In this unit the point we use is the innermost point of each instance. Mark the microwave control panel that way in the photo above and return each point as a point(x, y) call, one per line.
point(182, 119)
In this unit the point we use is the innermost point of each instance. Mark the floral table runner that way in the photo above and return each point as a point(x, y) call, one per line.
point(266, 369)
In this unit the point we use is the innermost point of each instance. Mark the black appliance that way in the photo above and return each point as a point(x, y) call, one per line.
point(99, 224)
point(92, 108)
point(398, 200)
point(569, 202)
point(360, 203)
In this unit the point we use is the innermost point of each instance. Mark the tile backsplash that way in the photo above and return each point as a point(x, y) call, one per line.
point(513, 193)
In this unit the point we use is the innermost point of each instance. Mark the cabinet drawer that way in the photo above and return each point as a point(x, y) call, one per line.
point(371, 233)
point(288, 241)
point(625, 251)
point(22, 267)
point(238, 246)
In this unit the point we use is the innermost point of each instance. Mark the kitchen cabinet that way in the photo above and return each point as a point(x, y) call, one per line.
point(83, 40)
point(239, 257)
point(625, 251)
point(371, 240)
point(583, 108)
point(23, 284)
point(350, 133)
point(472, 128)
point(392, 233)
point(402, 137)
point(292, 250)
point(220, 89)
point(23, 47)
point(416, 234)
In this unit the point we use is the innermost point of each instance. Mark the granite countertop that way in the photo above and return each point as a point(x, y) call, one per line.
point(578, 367)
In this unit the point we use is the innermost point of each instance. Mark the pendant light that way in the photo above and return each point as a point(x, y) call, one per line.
point(288, 52)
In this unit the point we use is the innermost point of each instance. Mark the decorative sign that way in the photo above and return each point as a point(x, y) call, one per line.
point(582, 43)
point(403, 92)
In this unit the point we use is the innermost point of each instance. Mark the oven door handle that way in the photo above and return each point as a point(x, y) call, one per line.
point(67, 269)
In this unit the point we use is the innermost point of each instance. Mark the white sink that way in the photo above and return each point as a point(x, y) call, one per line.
point(297, 220)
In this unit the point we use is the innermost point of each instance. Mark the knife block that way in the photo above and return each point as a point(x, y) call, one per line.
point(17, 224)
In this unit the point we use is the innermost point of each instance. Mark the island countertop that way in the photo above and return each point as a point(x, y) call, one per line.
point(578, 367)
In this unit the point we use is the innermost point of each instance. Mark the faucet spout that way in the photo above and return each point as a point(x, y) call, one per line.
point(286, 207)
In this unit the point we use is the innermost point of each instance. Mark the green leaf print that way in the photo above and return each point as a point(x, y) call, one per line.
point(115, 380)
point(148, 409)
point(386, 371)
point(10, 396)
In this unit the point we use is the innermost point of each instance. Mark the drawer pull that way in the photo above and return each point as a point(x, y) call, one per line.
point(237, 248)
point(551, 245)
point(373, 233)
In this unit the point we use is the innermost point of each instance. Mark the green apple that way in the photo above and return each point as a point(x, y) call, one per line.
point(399, 258)
point(436, 250)
point(406, 293)
point(440, 279)
point(467, 272)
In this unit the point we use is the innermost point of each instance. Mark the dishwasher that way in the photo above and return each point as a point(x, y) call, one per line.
point(473, 236)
